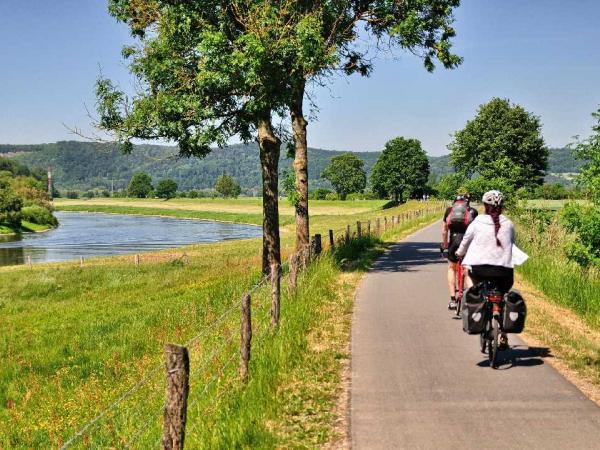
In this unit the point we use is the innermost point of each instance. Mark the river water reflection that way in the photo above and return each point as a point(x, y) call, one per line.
point(88, 235)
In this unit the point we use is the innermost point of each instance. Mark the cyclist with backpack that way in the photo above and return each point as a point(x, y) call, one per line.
point(487, 247)
point(456, 220)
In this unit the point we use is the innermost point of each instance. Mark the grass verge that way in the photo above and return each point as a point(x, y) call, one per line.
point(575, 346)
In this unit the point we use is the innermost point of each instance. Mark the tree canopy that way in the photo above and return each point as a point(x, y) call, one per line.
point(346, 174)
point(166, 188)
point(401, 171)
point(140, 185)
point(227, 186)
point(23, 196)
point(589, 150)
point(503, 141)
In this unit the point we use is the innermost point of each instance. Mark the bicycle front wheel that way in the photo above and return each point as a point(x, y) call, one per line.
point(493, 342)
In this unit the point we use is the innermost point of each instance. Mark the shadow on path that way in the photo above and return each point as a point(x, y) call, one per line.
point(520, 356)
point(408, 256)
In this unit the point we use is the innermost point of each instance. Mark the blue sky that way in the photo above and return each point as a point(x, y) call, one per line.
point(542, 54)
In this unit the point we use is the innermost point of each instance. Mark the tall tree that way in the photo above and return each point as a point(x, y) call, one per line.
point(166, 188)
point(346, 173)
point(140, 185)
point(328, 38)
point(589, 151)
point(207, 71)
point(401, 171)
point(227, 187)
point(503, 141)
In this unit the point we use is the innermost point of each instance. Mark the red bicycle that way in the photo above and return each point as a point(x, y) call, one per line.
point(460, 275)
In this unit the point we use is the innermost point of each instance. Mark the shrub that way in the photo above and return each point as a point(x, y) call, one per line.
point(39, 215)
point(104, 193)
point(193, 194)
point(319, 194)
point(332, 196)
point(584, 222)
point(72, 194)
point(89, 194)
point(362, 196)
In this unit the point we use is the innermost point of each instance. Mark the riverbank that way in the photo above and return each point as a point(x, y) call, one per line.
point(69, 362)
point(26, 227)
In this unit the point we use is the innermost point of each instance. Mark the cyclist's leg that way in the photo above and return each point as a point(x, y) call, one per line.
point(451, 277)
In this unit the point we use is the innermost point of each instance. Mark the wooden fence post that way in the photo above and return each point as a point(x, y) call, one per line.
point(348, 233)
point(369, 227)
point(316, 245)
point(178, 373)
point(275, 294)
point(81, 261)
point(358, 229)
point(245, 336)
point(378, 227)
point(385, 223)
point(29, 261)
point(331, 240)
point(294, 268)
point(136, 260)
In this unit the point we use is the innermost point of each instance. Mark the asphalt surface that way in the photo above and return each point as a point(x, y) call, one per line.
point(419, 381)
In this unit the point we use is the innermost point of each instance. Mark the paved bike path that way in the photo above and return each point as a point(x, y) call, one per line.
point(418, 381)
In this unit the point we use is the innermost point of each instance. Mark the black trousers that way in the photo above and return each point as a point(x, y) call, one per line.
point(503, 277)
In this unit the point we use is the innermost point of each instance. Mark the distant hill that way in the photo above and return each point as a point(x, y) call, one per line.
point(89, 165)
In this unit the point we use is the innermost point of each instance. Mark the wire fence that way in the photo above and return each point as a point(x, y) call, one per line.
point(135, 419)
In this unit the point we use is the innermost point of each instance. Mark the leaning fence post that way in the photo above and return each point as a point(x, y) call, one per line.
point(369, 227)
point(358, 229)
point(378, 227)
point(178, 374)
point(245, 336)
point(348, 233)
point(275, 293)
point(331, 240)
point(385, 223)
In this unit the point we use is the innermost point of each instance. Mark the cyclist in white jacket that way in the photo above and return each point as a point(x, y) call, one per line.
point(487, 247)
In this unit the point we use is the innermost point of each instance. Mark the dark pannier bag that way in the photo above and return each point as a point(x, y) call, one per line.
point(514, 313)
point(473, 311)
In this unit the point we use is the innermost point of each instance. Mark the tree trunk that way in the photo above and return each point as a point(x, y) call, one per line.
point(269, 145)
point(299, 125)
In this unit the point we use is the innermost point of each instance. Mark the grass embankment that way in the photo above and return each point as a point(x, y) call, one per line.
point(74, 339)
point(564, 311)
point(26, 227)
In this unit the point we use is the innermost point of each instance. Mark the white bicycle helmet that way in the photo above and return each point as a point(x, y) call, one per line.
point(494, 198)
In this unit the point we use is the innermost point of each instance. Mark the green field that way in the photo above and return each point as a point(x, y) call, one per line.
point(243, 209)
point(76, 338)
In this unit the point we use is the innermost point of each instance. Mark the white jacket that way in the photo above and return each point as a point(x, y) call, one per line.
point(479, 243)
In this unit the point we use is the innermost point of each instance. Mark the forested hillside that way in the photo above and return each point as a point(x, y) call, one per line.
point(87, 165)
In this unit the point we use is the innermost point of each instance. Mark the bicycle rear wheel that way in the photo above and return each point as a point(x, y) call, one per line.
point(493, 342)
point(483, 337)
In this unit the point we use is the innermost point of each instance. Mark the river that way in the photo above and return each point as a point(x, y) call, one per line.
point(89, 235)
